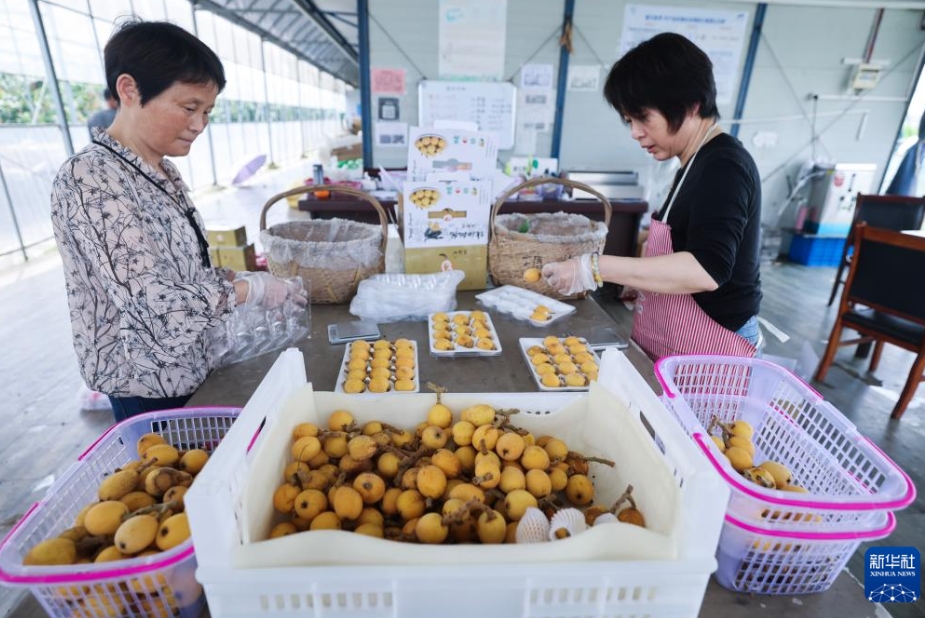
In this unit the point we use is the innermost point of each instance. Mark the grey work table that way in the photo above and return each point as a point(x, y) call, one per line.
point(508, 373)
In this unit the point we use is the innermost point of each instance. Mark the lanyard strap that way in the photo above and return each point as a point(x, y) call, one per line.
point(687, 168)
point(187, 212)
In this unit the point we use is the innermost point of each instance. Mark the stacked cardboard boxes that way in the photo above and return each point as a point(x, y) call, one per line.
point(229, 248)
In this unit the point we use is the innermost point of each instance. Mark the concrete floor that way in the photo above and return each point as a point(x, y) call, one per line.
point(44, 430)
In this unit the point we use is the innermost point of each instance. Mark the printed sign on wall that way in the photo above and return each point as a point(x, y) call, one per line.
point(721, 34)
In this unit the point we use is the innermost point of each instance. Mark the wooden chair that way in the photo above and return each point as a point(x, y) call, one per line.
point(884, 301)
point(890, 212)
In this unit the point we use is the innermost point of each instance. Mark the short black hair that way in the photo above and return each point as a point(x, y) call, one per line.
point(107, 94)
point(158, 54)
point(666, 73)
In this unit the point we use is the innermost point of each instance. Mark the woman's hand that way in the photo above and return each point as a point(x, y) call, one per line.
point(570, 276)
point(268, 292)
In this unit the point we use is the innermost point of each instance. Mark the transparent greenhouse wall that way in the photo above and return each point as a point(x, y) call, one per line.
point(274, 104)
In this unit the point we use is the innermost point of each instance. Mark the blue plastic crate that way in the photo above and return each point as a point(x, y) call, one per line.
point(816, 250)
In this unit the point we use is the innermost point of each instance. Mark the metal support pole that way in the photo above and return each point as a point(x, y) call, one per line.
point(298, 72)
point(266, 98)
point(9, 201)
point(749, 65)
point(366, 98)
point(208, 129)
point(51, 76)
point(563, 79)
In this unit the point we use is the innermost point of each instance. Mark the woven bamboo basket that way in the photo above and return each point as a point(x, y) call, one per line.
point(511, 252)
point(329, 285)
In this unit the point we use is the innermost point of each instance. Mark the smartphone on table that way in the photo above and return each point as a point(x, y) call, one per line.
point(344, 332)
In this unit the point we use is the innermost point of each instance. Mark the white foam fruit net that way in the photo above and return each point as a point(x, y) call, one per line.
point(551, 227)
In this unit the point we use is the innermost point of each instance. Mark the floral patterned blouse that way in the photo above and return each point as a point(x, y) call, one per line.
point(141, 300)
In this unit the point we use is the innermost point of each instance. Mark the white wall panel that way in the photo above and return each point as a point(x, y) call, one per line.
point(801, 52)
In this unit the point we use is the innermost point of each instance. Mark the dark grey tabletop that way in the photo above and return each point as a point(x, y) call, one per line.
point(505, 373)
point(509, 373)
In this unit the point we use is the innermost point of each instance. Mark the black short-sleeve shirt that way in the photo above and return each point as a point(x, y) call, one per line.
point(717, 218)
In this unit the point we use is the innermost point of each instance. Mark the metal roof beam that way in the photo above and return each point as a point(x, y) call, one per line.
point(340, 16)
point(294, 31)
point(312, 11)
point(288, 11)
point(234, 17)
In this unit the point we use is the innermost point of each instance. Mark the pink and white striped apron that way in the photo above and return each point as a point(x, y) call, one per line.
point(666, 324)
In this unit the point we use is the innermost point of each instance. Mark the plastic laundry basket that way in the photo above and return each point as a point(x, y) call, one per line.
point(159, 585)
point(851, 482)
point(773, 561)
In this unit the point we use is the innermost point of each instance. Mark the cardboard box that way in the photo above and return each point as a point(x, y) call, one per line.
point(346, 153)
point(471, 259)
point(236, 237)
point(215, 256)
point(238, 258)
point(445, 226)
point(446, 214)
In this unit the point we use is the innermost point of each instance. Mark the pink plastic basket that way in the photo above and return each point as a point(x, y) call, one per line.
point(851, 482)
point(772, 561)
point(161, 585)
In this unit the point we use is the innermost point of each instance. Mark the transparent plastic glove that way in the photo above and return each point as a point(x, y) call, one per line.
point(268, 292)
point(570, 276)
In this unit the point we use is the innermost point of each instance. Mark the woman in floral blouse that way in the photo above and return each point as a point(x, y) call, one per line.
point(142, 292)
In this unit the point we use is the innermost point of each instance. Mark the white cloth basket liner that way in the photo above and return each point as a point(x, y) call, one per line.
point(334, 244)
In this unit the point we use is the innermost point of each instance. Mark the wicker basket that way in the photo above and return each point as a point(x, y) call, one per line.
point(511, 252)
point(338, 282)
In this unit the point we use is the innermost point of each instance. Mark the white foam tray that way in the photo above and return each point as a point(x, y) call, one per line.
point(342, 374)
point(520, 303)
point(528, 342)
point(459, 350)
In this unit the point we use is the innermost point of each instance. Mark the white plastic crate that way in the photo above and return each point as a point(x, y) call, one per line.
point(509, 584)
point(160, 585)
point(851, 482)
point(774, 561)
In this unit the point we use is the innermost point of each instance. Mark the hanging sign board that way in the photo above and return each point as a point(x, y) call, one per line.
point(472, 36)
point(719, 33)
point(488, 104)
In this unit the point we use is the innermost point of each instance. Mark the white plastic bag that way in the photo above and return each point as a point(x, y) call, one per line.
point(396, 297)
point(92, 401)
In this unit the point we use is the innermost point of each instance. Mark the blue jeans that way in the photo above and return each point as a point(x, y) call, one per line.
point(749, 331)
point(125, 407)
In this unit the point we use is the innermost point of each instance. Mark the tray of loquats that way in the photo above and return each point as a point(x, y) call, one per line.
point(525, 304)
point(462, 333)
point(363, 504)
point(111, 537)
point(379, 367)
point(560, 363)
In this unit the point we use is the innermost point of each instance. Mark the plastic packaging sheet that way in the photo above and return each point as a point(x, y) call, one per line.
point(334, 244)
point(397, 297)
point(552, 227)
point(251, 331)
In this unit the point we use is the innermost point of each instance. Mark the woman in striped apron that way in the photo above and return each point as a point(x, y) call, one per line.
point(698, 283)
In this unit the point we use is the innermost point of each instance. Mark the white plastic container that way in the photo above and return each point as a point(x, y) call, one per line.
point(670, 585)
point(457, 349)
point(529, 342)
point(851, 482)
point(344, 369)
point(163, 584)
point(521, 303)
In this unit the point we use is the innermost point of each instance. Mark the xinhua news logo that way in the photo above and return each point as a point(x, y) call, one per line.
point(893, 575)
